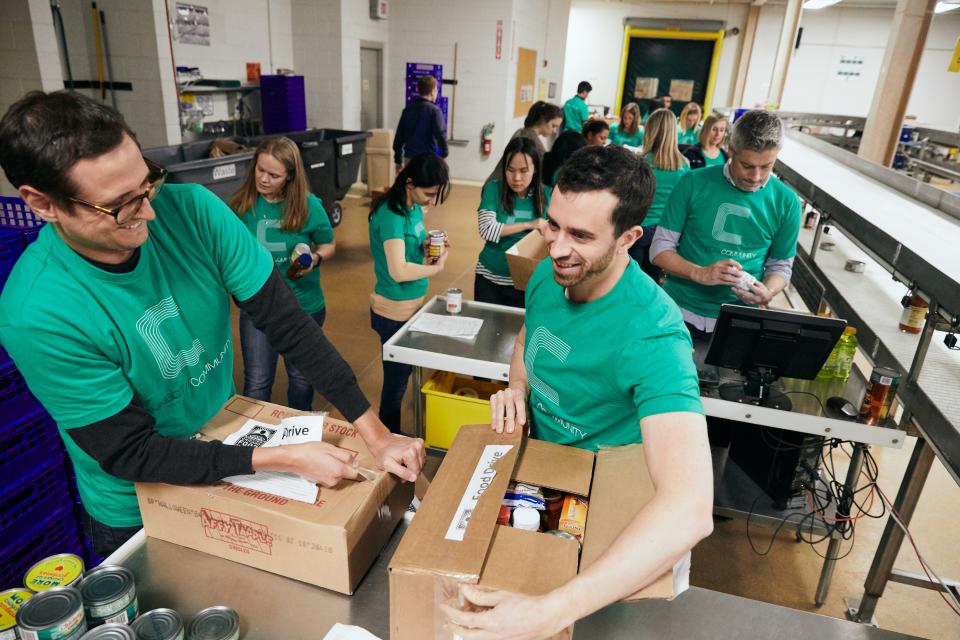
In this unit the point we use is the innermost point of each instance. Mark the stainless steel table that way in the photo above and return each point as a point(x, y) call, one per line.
point(272, 607)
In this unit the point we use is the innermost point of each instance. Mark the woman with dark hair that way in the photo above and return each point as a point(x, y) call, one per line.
point(543, 121)
point(509, 209)
point(709, 151)
point(397, 241)
point(567, 142)
point(277, 207)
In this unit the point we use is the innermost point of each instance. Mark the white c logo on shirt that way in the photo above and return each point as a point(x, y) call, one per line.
point(725, 211)
point(262, 226)
point(169, 363)
point(543, 339)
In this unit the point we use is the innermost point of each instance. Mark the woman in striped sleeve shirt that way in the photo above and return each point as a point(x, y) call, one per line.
point(509, 209)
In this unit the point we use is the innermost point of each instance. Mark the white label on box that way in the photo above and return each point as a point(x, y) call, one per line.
point(346, 149)
point(483, 475)
point(224, 171)
point(317, 165)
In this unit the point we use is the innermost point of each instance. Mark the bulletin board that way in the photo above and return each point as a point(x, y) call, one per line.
point(526, 79)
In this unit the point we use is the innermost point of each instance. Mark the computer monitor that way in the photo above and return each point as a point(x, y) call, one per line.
point(767, 344)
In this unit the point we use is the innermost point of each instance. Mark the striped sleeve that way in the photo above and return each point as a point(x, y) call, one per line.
point(489, 228)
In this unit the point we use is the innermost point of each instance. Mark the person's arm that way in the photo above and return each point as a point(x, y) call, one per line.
point(667, 527)
point(439, 132)
point(778, 267)
point(400, 139)
point(508, 407)
point(402, 271)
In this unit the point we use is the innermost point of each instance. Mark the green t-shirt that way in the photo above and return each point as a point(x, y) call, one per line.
point(666, 181)
point(712, 162)
point(385, 225)
point(494, 254)
point(589, 392)
point(263, 221)
point(575, 113)
point(717, 221)
point(88, 342)
point(692, 136)
point(625, 139)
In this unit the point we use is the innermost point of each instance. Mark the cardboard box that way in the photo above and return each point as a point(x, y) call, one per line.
point(455, 538)
point(331, 543)
point(523, 258)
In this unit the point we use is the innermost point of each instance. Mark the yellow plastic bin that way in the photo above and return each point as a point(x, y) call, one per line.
point(453, 401)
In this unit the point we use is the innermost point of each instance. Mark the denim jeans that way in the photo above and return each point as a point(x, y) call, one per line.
point(260, 366)
point(640, 251)
point(395, 375)
point(105, 539)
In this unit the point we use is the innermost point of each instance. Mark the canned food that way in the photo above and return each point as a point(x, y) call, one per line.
point(828, 246)
point(159, 624)
point(554, 503)
point(110, 631)
point(454, 301)
point(573, 516)
point(215, 623)
point(438, 240)
point(63, 570)
point(566, 535)
point(54, 614)
point(109, 595)
point(881, 390)
point(856, 266)
point(10, 602)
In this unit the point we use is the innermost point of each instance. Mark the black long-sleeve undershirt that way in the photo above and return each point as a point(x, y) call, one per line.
point(127, 445)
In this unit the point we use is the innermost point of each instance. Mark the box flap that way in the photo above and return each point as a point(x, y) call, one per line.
point(523, 258)
point(451, 532)
point(546, 464)
point(528, 562)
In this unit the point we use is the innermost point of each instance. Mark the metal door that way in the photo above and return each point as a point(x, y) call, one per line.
point(371, 88)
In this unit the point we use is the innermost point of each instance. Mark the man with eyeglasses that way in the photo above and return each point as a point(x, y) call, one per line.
point(118, 316)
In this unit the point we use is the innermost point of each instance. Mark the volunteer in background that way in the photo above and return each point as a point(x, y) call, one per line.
point(421, 128)
point(575, 111)
point(277, 207)
point(689, 130)
point(543, 121)
point(663, 102)
point(628, 132)
point(662, 154)
point(567, 143)
point(728, 220)
point(127, 342)
point(709, 151)
point(509, 209)
point(637, 383)
point(596, 132)
point(397, 241)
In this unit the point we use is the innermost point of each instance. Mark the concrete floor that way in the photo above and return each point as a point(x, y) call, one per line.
point(724, 562)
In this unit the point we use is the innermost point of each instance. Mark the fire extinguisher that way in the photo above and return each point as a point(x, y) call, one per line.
point(486, 140)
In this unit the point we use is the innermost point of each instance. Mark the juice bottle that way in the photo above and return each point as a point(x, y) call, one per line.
point(914, 314)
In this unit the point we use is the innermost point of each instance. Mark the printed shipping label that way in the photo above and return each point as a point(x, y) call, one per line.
point(483, 475)
point(224, 171)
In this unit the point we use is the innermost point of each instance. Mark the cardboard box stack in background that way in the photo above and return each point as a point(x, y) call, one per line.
point(523, 258)
point(331, 543)
point(380, 168)
point(455, 538)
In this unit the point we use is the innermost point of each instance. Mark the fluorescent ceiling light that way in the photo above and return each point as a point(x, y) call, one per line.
point(819, 4)
point(943, 7)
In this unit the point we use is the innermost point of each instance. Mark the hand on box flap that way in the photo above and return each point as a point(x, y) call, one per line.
point(400, 455)
point(505, 615)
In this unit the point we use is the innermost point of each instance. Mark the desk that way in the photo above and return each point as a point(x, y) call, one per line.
point(272, 607)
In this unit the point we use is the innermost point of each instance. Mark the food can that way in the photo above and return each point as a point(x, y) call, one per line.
point(554, 502)
point(881, 390)
point(566, 535)
point(109, 595)
point(504, 516)
point(54, 614)
point(454, 301)
point(159, 624)
point(573, 516)
point(110, 631)
point(215, 623)
point(828, 246)
point(438, 240)
point(63, 570)
point(856, 266)
point(10, 602)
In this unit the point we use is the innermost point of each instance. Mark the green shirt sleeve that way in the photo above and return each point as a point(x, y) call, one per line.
point(660, 375)
point(784, 245)
point(678, 205)
point(547, 192)
point(391, 226)
point(321, 232)
point(584, 111)
point(490, 196)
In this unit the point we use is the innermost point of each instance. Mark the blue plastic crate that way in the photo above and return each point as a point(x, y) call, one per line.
point(28, 439)
point(12, 384)
point(57, 533)
point(11, 246)
point(15, 215)
point(28, 501)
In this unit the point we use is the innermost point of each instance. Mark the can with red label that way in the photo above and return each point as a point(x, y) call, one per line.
point(454, 301)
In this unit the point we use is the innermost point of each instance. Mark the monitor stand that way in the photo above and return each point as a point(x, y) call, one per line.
point(757, 389)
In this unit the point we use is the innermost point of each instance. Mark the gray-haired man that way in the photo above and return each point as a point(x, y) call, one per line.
point(724, 222)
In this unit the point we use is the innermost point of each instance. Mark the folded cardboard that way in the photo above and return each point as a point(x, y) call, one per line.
point(523, 258)
point(331, 543)
point(455, 538)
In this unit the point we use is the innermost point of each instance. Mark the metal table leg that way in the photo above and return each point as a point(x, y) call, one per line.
point(833, 549)
point(418, 402)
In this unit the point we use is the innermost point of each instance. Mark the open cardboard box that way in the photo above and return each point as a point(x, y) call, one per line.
point(331, 543)
point(523, 258)
point(455, 537)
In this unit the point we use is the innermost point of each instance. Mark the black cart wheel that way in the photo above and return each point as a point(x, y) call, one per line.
point(335, 214)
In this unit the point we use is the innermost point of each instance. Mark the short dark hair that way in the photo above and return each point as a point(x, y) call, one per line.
point(542, 111)
point(43, 135)
point(617, 170)
point(757, 130)
point(426, 85)
point(584, 86)
point(594, 126)
point(565, 145)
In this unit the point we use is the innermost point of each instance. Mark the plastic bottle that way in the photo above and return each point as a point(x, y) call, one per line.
point(846, 350)
point(526, 518)
point(300, 260)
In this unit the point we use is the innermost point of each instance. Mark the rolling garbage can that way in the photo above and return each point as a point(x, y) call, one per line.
point(192, 162)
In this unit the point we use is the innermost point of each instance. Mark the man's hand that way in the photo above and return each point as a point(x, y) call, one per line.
point(508, 410)
point(400, 455)
point(509, 616)
point(724, 272)
point(318, 462)
point(759, 294)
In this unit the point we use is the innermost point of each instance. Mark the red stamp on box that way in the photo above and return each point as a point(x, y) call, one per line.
point(236, 532)
point(244, 407)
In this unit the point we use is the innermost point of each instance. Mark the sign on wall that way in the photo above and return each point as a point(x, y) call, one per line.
point(192, 24)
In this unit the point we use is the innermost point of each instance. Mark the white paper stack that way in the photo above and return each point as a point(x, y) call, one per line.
point(451, 326)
